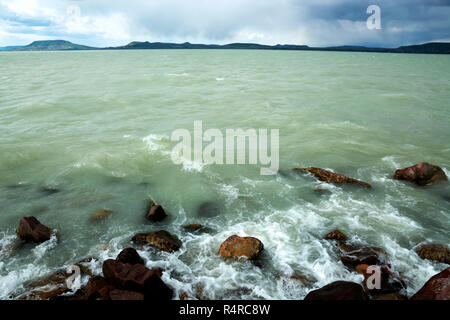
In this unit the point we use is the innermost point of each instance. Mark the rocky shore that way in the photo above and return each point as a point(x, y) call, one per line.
point(127, 277)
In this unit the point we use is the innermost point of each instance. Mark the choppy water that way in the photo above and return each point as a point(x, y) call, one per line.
point(96, 126)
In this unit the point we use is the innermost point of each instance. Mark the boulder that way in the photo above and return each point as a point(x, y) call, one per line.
point(130, 255)
point(389, 281)
point(100, 215)
point(434, 252)
point(162, 240)
point(336, 235)
point(97, 288)
point(331, 177)
point(422, 174)
point(155, 212)
point(235, 247)
point(125, 295)
point(136, 277)
point(388, 296)
point(339, 290)
point(437, 288)
point(30, 229)
point(352, 255)
point(47, 287)
point(209, 209)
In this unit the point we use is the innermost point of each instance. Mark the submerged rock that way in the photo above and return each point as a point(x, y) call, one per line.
point(437, 288)
point(353, 255)
point(335, 235)
point(339, 290)
point(196, 228)
point(235, 247)
point(30, 229)
point(422, 174)
point(208, 209)
point(331, 177)
point(130, 255)
point(155, 212)
point(434, 252)
point(162, 240)
point(47, 287)
point(100, 215)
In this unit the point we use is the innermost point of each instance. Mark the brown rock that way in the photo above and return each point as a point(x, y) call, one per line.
point(339, 290)
point(235, 247)
point(353, 255)
point(331, 177)
point(97, 287)
point(389, 296)
point(155, 212)
point(100, 215)
point(437, 288)
point(47, 287)
point(162, 240)
point(422, 174)
point(434, 252)
point(336, 235)
point(125, 295)
point(30, 229)
point(130, 255)
point(196, 228)
point(136, 277)
point(389, 281)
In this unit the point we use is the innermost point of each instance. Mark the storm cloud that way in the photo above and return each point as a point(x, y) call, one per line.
point(310, 22)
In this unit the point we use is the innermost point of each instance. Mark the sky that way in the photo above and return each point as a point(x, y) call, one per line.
point(103, 23)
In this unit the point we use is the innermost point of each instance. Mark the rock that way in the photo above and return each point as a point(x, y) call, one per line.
point(30, 229)
point(136, 277)
point(389, 296)
point(434, 252)
point(125, 295)
point(437, 288)
point(422, 174)
point(235, 247)
point(97, 288)
point(84, 266)
point(49, 190)
point(100, 215)
point(208, 210)
point(389, 281)
point(162, 240)
point(331, 177)
point(339, 290)
point(196, 228)
point(155, 212)
point(353, 255)
point(47, 287)
point(130, 255)
point(336, 235)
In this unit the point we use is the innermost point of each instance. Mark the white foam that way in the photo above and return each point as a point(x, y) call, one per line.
point(153, 141)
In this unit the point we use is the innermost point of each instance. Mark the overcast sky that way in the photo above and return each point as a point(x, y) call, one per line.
point(310, 22)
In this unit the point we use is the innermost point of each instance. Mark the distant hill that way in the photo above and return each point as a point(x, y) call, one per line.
point(9, 48)
point(52, 45)
point(58, 45)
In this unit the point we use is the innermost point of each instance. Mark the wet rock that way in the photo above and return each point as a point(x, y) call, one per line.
point(49, 190)
point(437, 288)
point(352, 255)
point(155, 212)
point(125, 295)
point(208, 210)
point(434, 252)
point(136, 277)
point(162, 240)
point(235, 247)
point(422, 174)
point(130, 255)
point(196, 228)
point(47, 287)
point(84, 266)
point(322, 192)
point(331, 177)
point(97, 288)
point(100, 215)
point(339, 290)
point(389, 281)
point(388, 296)
point(30, 229)
point(335, 235)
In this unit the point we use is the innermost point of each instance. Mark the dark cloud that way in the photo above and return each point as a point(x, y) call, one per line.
point(311, 22)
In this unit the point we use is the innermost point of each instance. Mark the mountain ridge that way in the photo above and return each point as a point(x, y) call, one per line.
point(63, 45)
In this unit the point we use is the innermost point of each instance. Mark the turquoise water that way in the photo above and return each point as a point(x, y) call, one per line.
point(96, 126)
